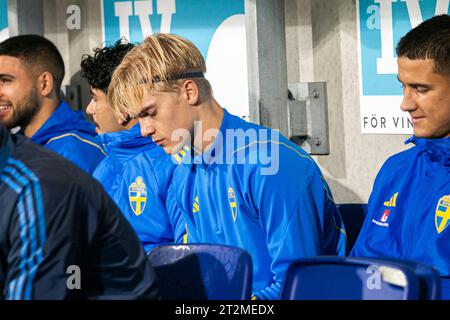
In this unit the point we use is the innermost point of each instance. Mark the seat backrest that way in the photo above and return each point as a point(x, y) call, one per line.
point(348, 278)
point(202, 272)
point(430, 280)
point(353, 215)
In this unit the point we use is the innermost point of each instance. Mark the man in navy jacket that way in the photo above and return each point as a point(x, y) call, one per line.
point(61, 236)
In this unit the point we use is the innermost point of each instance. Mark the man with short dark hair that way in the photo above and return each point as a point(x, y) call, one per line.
point(61, 236)
point(409, 208)
point(135, 172)
point(31, 73)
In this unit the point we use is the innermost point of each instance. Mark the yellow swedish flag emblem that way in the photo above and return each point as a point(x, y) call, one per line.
point(196, 206)
point(392, 202)
point(442, 215)
point(137, 194)
point(180, 154)
point(233, 204)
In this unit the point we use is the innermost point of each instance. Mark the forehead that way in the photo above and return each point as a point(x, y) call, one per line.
point(416, 69)
point(12, 65)
point(97, 92)
point(152, 97)
point(420, 71)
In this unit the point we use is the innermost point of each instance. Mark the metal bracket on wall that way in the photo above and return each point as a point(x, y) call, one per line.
point(308, 116)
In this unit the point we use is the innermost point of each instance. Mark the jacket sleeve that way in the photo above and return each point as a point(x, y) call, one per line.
point(39, 252)
point(179, 225)
point(124, 270)
point(69, 240)
point(16, 251)
point(362, 246)
point(299, 218)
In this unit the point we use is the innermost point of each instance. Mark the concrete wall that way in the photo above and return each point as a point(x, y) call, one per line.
point(321, 37)
point(322, 46)
point(74, 43)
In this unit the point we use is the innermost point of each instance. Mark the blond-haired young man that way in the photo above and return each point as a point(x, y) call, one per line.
point(237, 183)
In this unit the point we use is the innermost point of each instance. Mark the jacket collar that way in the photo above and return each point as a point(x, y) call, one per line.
point(62, 120)
point(210, 157)
point(437, 150)
point(126, 139)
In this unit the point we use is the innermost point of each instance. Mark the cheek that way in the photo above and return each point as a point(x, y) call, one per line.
point(10, 94)
point(101, 111)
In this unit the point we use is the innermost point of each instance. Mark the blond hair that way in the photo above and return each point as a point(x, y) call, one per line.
point(156, 65)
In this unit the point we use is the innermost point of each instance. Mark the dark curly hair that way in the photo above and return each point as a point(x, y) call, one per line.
point(99, 67)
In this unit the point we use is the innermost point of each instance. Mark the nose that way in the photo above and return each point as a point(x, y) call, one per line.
point(90, 108)
point(147, 128)
point(408, 103)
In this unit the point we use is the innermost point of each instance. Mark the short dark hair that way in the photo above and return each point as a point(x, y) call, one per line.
point(99, 67)
point(38, 53)
point(429, 40)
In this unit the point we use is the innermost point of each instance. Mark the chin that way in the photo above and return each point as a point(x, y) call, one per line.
point(427, 135)
point(168, 150)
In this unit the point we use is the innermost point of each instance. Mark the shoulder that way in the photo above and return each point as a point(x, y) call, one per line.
point(267, 150)
point(152, 162)
point(56, 176)
point(78, 148)
point(399, 162)
point(107, 171)
point(78, 142)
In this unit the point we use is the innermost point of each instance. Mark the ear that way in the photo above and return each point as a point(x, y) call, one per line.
point(191, 92)
point(46, 84)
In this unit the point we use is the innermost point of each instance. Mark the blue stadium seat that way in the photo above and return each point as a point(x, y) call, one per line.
point(430, 280)
point(349, 278)
point(202, 272)
point(353, 215)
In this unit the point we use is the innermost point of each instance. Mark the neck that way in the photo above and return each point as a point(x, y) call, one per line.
point(47, 108)
point(208, 122)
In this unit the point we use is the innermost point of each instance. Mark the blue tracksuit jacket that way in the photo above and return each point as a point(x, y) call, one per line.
point(67, 132)
point(136, 173)
point(259, 192)
point(409, 208)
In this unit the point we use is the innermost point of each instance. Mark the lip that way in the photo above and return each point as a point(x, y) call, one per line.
point(158, 142)
point(417, 120)
point(4, 111)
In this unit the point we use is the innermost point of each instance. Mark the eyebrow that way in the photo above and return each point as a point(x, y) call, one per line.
point(7, 75)
point(414, 84)
point(144, 110)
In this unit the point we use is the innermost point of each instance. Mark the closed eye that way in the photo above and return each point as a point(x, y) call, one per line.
point(147, 112)
point(421, 89)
